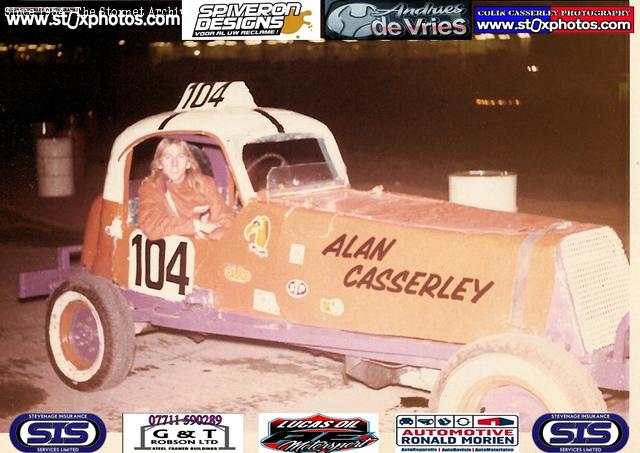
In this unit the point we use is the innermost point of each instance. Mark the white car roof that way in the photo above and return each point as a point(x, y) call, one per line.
point(233, 126)
point(230, 124)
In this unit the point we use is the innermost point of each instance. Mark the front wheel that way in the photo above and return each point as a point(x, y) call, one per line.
point(90, 334)
point(516, 373)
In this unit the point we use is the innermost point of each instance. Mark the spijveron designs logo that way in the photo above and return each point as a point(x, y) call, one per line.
point(258, 19)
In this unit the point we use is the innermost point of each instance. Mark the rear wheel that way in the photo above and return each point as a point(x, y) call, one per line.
point(516, 373)
point(90, 334)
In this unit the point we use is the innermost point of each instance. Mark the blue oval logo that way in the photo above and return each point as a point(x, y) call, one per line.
point(556, 432)
point(55, 432)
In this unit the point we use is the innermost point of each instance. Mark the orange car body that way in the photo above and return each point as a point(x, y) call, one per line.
point(371, 262)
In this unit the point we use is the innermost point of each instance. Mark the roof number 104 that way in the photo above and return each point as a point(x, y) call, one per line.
point(199, 95)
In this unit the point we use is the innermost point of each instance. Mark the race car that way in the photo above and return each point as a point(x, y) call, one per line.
point(490, 311)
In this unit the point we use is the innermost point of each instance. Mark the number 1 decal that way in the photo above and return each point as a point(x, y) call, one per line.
point(162, 268)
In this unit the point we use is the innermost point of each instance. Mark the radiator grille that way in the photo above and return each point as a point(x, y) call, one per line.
point(598, 277)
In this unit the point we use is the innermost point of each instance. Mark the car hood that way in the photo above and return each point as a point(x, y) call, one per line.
point(422, 212)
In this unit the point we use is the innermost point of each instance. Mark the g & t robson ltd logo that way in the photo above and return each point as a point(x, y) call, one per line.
point(182, 432)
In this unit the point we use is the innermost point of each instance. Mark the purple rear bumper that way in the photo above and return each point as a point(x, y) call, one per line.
point(42, 283)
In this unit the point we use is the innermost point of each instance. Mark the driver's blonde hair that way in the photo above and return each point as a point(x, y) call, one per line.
point(193, 168)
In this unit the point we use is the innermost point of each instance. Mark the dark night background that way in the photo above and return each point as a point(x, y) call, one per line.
point(404, 113)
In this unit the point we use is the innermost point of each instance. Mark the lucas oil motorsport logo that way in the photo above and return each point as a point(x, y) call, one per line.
point(318, 433)
point(258, 19)
point(412, 19)
point(457, 432)
point(57, 433)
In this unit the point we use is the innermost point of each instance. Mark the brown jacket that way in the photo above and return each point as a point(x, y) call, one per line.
point(158, 219)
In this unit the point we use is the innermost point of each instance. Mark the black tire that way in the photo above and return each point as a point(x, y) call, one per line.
point(90, 334)
point(531, 364)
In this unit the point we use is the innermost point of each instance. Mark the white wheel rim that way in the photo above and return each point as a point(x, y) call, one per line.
point(475, 378)
point(66, 354)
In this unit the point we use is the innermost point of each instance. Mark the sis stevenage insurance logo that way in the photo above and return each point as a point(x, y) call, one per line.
point(251, 20)
point(457, 432)
point(580, 433)
point(318, 432)
point(392, 19)
point(57, 433)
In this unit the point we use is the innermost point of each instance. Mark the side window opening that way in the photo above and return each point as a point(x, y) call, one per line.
point(206, 152)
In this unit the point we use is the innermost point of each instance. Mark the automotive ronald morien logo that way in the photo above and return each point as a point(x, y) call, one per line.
point(250, 19)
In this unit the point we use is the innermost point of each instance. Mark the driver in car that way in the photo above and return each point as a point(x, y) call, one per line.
point(176, 198)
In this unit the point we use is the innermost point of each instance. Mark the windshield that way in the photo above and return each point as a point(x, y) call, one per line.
point(290, 165)
point(301, 177)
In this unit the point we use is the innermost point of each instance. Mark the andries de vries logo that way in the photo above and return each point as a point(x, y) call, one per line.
point(400, 20)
